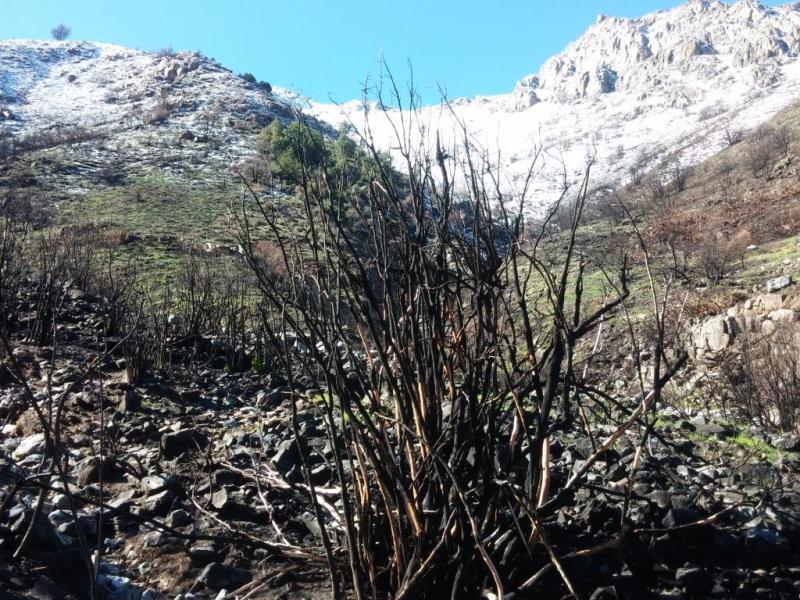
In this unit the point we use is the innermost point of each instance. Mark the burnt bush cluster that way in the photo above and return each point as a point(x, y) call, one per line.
point(765, 145)
point(454, 343)
point(203, 306)
point(759, 380)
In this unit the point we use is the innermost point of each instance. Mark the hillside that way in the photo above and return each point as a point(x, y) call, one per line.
point(246, 355)
point(94, 114)
point(132, 98)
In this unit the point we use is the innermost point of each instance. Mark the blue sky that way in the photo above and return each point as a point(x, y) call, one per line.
point(326, 48)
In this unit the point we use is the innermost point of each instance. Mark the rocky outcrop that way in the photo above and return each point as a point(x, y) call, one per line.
point(763, 314)
point(690, 42)
point(779, 283)
point(524, 94)
point(714, 335)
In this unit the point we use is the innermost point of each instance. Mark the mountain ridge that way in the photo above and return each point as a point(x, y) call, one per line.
point(147, 103)
point(631, 92)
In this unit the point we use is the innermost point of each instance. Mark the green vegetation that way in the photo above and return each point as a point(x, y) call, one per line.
point(262, 85)
point(290, 146)
point(160, 206)
point(766, 257)
point(751, 444)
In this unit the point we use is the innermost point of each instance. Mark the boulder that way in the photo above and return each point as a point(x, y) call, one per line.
point(788, 442)
point(715, 334)
point(779, 283)
point(768, 327)
point(747, 320)
point(218, 576)
point(185, 440)
point(93, 469)
point(286, 457)
point(766, 303)
point(783, 315)
point(29, 445)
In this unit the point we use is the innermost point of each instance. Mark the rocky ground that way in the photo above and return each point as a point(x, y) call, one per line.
point(190, 486)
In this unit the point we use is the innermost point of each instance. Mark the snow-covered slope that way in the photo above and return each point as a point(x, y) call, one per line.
point(136, 101)
point(629, 91)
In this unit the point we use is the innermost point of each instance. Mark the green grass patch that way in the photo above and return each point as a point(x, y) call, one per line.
point(752, 444)
point(760, 263)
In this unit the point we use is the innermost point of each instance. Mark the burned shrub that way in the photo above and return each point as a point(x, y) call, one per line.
point(759, 380)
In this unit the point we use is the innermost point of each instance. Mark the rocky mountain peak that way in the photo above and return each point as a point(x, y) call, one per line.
point(699, 38)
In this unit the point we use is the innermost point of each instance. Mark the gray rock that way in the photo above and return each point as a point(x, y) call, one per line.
point(661, 498)
point(203, 554)
point(220, 499)
point(92, 469)
point(766, 303)
point(783, 315)
point(185, 440)
point(311, 524)
point(159, 504)
point(131, 402)
point(86, 523)
point(152, 484)
point(714, 334)
point(178, 518)
point(218, 576)
point(29, 445)
point(789, 442)
point(768, 327)
point(275, 397)
point(61, 501)
point(155, 483)
point(115, 586)
point(320, 474)
point(59, 517)
point(715, 428)
point(286, 456)
point(44, 534)
point(230, 504)
point(779, 283)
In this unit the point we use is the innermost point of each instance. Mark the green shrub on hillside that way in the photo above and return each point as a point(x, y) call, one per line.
point(289, 146)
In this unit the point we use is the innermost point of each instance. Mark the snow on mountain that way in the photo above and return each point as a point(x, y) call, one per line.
point(629, 91)
point(135, 100)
